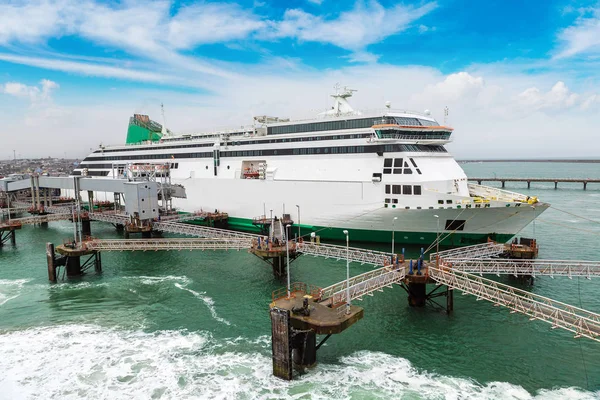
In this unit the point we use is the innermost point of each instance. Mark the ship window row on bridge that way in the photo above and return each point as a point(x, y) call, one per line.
point(278, 152)
point(403, 189)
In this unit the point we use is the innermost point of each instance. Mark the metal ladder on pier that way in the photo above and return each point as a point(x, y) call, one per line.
point(489, 249)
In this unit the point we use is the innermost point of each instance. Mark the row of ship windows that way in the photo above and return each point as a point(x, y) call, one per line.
point(380, 149)
point(402, 189)
point(348, 124)
point(245, 142)
point(393, 203)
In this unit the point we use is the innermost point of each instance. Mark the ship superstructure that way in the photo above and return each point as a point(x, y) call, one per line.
point(367, 172)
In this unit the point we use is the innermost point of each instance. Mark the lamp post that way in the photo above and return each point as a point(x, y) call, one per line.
point(287, 251)
point(297, 206)
point(393, 231)
point(347, 272)
point(437, 240)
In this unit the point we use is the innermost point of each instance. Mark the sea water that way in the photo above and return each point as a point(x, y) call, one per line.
point(177, 325)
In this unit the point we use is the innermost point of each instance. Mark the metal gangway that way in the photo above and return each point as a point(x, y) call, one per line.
point(552, 268)
point(559, 315)
point(489, 249)
point(176, 244)
point(38, 219)
point(361, 285)
point(362, 256)
point(203, 231)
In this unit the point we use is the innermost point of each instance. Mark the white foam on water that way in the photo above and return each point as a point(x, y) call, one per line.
point(83, 361)
point(210, 303)
point(153, 280)
point(11, 289)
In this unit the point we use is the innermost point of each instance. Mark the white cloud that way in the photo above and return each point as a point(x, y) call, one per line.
point(31, 22)
point(35, 94)
point(210, 23)
point(317, 2)
point(559, 97)
point(365, 24)
point(581, 38)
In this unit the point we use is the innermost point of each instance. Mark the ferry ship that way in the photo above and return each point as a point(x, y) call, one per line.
point(371, 173)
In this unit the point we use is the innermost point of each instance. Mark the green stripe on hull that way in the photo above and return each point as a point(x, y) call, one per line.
point(364, 235)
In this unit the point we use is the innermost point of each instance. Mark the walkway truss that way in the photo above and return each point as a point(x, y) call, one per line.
point(454, 268)
point(456, 272)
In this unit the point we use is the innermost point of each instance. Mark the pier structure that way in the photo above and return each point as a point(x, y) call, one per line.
point(556, 181)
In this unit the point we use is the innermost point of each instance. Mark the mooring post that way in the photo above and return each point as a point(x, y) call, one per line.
point(555, 184)
point(74, 266)
point(528, 184)
point(584, 185)
point(304, 353)
point(449, 300)
point(13, 237)
point(503, 184)
point(98, 262)
point(86, 227)
point(417, 294)
point(51, 262)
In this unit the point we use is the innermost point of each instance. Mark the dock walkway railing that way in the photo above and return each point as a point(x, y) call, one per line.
point(558, 314)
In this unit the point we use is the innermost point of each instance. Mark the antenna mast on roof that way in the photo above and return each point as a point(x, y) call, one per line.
point(164, 121)
point(446, 112)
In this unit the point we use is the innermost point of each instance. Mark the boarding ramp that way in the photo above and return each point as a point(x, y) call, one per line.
point(559, 315)
point(537, 267)
point(362, 256)
point(202, 231)
point(489, 249)
point(363, 284)
point(176, 244)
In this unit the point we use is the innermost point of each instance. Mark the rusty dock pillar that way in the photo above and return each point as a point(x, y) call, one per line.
point(295, 323)
point(70, 259)
point(8, 233)
point(275, 254)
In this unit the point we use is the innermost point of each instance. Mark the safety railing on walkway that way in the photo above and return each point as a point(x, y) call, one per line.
point(165, 244)
point(362, 284)
point(38, 219)
point(202, 231)
point(535, 267)
point(558, 314)
point(488, 249)
point(363, 256)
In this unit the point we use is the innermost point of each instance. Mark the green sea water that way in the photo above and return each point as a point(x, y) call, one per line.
point(186, 324)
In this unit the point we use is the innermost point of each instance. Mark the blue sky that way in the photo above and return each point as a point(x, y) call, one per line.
point(75, 70)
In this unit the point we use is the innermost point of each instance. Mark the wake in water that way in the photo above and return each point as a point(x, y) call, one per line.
point(93, 362)
point(11, 289)
point(210, 303)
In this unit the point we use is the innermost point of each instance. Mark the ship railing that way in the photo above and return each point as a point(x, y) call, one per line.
point(488, 192)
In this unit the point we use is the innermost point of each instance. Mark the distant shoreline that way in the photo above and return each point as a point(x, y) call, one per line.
point(530, 160)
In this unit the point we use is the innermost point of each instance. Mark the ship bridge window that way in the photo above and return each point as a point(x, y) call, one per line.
point(396, 189)
point(406, 121)
point(406, 189)
point(417, 190)
point(387, 189)
point(425, 122)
